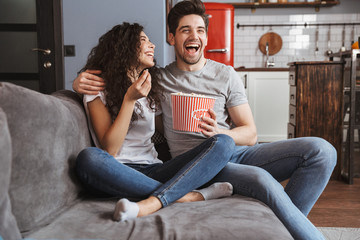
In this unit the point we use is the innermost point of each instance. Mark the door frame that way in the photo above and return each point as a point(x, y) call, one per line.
point(49, 28)
point(50, 36)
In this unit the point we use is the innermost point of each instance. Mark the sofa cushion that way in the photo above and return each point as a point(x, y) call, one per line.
point(8, 226)
point(47, 133)
point(228, 218)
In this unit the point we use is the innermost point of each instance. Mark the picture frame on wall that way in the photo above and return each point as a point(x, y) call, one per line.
point(169, 5)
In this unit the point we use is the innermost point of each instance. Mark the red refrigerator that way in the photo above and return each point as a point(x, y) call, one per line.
point(220, 45)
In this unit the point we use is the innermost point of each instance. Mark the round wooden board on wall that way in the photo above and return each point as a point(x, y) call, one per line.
point(273, 39)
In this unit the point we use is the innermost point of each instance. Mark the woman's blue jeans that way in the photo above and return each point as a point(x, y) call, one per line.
point(168, 181)
point(257, 170)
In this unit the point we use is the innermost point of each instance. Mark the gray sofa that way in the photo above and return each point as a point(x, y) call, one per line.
point(41, 198)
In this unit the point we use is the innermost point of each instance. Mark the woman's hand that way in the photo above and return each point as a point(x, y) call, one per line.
point(209, 124)
point(140, 88)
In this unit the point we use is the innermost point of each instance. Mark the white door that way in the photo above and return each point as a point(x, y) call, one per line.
point(268, 94)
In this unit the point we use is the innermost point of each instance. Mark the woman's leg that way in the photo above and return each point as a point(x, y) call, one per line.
point(103, 172)
point(192, 169)
point(188, 171)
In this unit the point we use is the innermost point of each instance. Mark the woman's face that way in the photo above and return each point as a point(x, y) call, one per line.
point(146, 56)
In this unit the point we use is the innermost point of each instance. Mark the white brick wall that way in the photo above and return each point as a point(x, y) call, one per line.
point(298, 41)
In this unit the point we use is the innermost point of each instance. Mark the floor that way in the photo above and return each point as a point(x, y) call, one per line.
point(338, 206)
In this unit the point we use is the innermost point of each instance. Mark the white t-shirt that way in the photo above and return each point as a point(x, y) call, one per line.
point(137, 147)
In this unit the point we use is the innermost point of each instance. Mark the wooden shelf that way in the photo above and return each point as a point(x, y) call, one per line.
point(316, 4)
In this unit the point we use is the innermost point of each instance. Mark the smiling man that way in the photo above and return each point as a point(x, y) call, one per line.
point(255, 170)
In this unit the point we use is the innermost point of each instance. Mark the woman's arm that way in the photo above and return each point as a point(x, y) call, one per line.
point(112, 135)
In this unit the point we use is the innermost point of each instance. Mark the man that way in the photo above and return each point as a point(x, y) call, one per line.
point(255, 170)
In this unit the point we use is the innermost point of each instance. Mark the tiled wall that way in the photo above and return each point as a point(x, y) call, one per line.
point(298, 41)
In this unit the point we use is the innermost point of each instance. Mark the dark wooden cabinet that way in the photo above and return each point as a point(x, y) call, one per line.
point(316, 102)
point(350, 161)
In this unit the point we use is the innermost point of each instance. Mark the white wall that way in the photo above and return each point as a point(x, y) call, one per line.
point(298, 42)
point(86, 20)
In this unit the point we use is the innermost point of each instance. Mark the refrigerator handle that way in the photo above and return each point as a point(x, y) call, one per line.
point(221, 50)
point(245, 78)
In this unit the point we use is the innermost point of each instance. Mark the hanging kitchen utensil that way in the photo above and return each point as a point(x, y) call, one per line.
point(343, 48)
point(317, 41)
point(352, 38)
point(329, 51)
point(274, 43)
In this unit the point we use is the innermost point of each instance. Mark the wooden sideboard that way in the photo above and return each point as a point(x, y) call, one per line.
point(316, 103)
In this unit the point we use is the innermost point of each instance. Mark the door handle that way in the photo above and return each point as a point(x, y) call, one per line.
point(44, 51)
point(221, 50)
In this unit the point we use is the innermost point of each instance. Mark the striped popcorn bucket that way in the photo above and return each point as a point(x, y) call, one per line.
point(188, 109)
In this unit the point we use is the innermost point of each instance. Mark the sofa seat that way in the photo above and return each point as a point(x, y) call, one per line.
point(235, 217)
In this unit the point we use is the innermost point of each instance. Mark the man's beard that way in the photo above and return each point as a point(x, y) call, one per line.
point(191, 62)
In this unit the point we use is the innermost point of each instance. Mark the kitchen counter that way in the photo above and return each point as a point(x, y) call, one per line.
point(313, 62)
point(261, 69)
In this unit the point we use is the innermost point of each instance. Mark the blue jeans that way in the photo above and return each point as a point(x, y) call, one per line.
point(256, 171)
point(168, 181)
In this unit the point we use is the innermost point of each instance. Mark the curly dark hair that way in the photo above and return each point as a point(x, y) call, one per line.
point(184, 8)
point(117, 55)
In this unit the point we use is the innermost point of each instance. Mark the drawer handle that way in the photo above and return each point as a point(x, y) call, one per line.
point(292, 96)
point(291, 116)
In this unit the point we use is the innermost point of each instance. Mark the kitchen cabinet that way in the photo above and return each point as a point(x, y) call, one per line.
point(281, 4)
point(316, 102)
point(350, 159)
point(268, 96)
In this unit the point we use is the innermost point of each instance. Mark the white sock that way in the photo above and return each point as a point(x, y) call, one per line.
point(216, 190)
point(125, 210)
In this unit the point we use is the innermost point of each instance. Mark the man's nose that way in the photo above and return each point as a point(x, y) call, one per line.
point(194, 34)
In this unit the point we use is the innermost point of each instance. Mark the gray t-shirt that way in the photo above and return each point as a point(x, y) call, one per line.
point(215, 80)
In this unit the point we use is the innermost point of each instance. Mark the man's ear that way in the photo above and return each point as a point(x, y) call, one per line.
point(171, 39)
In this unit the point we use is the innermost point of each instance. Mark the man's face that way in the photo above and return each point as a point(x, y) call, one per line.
point(190, 40)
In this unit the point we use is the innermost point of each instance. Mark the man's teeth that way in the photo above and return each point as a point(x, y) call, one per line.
point(192, 46)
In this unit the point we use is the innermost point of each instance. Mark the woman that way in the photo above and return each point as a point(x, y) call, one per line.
point(122, 121)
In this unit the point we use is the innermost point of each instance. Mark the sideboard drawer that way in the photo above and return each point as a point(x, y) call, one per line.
point(292, 114)
point(291, 131)
point(293, 95)
point(292, 79)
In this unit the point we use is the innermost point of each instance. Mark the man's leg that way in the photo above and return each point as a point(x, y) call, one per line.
point(307, 162)
point(257, 183)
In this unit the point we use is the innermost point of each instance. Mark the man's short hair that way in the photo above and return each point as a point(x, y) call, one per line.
point(184, 8)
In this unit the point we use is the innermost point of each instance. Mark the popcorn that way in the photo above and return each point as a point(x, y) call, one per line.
point(188, 110)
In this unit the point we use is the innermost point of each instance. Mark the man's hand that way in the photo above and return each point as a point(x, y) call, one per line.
point(209, 124)
point(88, 83)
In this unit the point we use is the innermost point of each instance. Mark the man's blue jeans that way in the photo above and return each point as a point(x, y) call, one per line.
point(168, 181)
point(256, 171)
